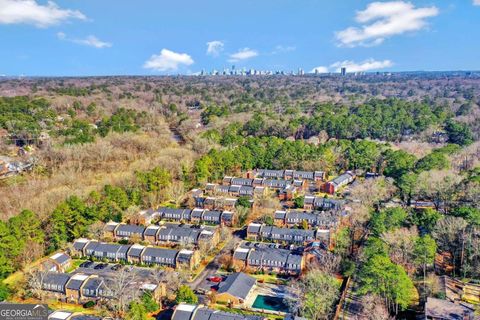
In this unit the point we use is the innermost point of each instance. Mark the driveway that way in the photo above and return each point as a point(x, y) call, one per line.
point(212, 268)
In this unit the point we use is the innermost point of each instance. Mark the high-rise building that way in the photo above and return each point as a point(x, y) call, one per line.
point(343, 71)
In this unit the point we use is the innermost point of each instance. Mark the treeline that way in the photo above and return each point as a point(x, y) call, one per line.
point(388, 120)
point(333, 156)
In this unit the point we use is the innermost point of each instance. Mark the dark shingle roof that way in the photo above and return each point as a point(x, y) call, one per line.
point(238, 285)
point(59, 279)
point(76, 281)
point(79, 244)
point(160, 252)
point(60, 257)
point(131, 228)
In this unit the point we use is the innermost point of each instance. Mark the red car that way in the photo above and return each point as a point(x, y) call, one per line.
point(215, 279)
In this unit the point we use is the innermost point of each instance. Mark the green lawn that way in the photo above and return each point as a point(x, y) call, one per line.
point(269, 278)
point(75, 264)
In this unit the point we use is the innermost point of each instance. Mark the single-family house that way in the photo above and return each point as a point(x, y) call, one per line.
point(235, 289)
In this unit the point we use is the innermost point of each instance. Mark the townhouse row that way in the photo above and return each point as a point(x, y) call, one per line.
point(213, 203)
point(285, 189)
point(79, 287)
point(136, 254)
point(274, 184)
point(261, 232)
point(194, 216)
point(325, 220)
point(287, 174)
point(167, 234)
point(233, 190)
point(322, 203)
point(256, 256)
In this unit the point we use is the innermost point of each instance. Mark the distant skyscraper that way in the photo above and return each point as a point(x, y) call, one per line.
point(343, 71)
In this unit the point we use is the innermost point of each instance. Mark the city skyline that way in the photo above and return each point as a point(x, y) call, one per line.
point(65, 38)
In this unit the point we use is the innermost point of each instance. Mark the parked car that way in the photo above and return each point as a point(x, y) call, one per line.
point(100, 266)
point(117, 267)
point(200, 291)
point(215, 279)
point(86, 264)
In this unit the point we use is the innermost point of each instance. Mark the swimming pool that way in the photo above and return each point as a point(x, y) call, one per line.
point(270, 303)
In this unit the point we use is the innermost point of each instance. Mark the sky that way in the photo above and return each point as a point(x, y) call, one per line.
point(157, 37)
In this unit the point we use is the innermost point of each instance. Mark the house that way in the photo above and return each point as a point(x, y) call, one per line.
point(187, 259)
point(129, 231)
point(232, 190)
point(266, 173)
point(334, 185)
point(288, 174)
point(198, 312)
point(177, 215)
point(321, 203)
point(67, 315)
point(74, 286)
point(321, 219)
point(241, 182)
point(437, 309)
point(139, 254)
point(58, 262)
point(197, 216)
point(134, 255)
point(55, 282)
point(253, 231)
point(151, 234)
point(276, 234)
point(108, 251)
point(109, 229)
point(287, 193)
point(92, 288)
point(79, 287)
point(235, 289)
point(268, 257)
point(159, 256)
point(187, 234)
point(78, 248)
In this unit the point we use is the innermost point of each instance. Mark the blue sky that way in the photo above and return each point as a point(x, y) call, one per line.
point(106, 37)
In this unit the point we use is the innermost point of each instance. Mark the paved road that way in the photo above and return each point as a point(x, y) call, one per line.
point(212, 268)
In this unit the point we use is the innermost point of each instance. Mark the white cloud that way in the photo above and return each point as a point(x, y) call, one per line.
point(476, 2)
point(214, 47)
point(30, 12)
point(282, 49)
point(90, 41)
point(367, 65)
point(351, 66)
point(381, 20)
point(167, 61)
point(320, 69)
point(243, 54)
